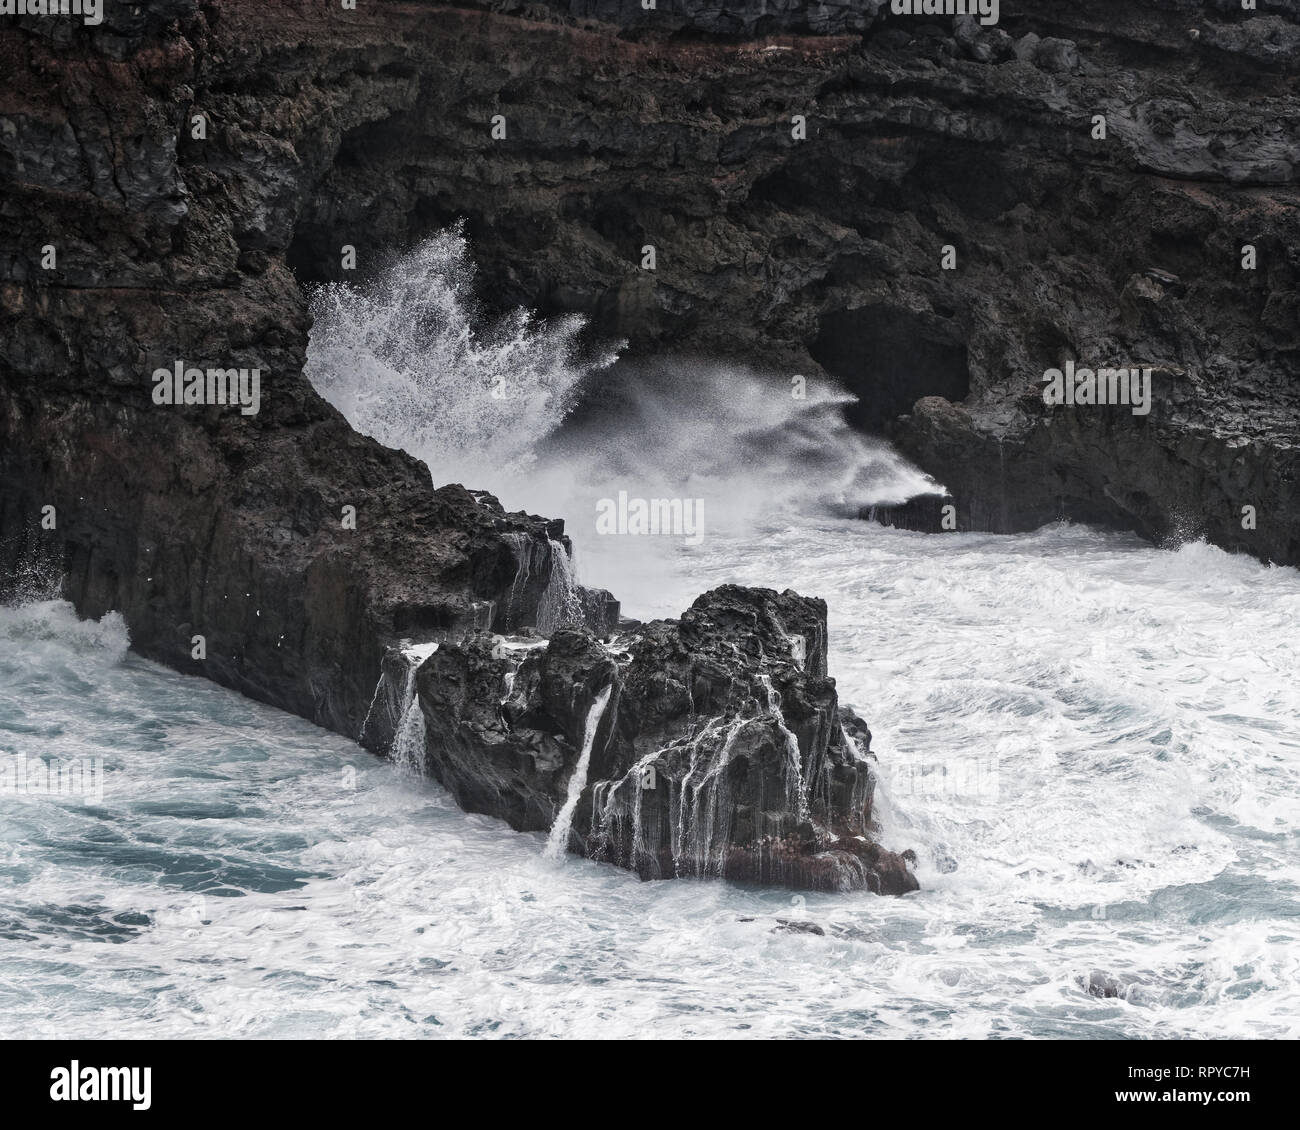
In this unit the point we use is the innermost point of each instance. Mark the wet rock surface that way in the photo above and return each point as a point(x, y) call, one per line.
point(722, 751)
point(925, 513)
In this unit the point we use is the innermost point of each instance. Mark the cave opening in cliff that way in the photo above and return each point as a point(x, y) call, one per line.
point(889, 359)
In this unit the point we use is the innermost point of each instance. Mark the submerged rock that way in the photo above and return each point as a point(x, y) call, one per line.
point(797, 926)
point(1098, 983)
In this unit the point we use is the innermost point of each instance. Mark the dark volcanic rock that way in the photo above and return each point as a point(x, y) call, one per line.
point(1099, 983)
point(202, 521)
point(822, 255)
point(721, 751)
point(925, 513)
point(797, 926)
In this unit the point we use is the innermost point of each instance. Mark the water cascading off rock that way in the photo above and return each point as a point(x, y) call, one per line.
point(710, 746)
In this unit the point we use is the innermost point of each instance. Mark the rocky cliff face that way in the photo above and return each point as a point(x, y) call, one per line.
point(276, 552)
point(670, 128)
point(626, 127)
point(174, 174)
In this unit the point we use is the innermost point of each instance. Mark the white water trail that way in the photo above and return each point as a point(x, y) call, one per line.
point(703, 810)
point(560, 605)
point(792, 768)
point(558, 841)
point(408, 744)
point(408, 741)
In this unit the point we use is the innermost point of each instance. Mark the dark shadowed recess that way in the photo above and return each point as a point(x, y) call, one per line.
point(889, 358)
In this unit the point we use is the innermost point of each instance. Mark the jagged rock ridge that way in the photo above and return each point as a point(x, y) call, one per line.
point(722, 751)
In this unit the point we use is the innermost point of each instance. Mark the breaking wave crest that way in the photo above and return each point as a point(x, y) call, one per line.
point(411, 362)
point(521, 408)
